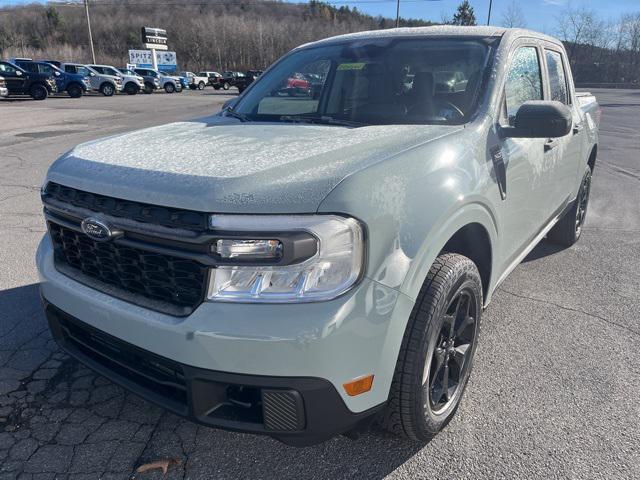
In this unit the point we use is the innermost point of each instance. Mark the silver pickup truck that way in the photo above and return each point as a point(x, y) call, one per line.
point(318, 258)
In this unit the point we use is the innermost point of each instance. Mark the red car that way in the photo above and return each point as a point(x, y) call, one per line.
point(298, 80)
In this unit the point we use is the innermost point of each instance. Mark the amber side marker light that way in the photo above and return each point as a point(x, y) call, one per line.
point(358, 385)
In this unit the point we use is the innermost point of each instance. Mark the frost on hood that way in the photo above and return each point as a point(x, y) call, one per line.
point(232, 167)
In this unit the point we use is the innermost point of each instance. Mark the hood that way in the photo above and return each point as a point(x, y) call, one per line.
point(220, 166)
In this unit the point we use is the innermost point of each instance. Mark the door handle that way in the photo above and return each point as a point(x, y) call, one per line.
point(577, 128)
point(551, 144)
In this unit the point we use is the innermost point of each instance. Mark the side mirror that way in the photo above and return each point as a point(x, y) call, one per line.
point(57, 74)
point(91, 74)
point(18, 73)
point(540, 119)
point(230, 103)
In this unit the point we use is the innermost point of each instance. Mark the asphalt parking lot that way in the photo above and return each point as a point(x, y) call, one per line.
point(555, 391)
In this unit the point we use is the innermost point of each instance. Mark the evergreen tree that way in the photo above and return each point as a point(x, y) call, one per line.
point(464, 15)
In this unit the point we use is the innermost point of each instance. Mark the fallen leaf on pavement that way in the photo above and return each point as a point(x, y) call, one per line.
point(161, 464)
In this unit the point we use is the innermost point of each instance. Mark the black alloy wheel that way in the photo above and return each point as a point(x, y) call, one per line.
point(450, 359)
point(583, 203)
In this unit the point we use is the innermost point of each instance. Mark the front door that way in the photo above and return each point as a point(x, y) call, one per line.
point(14, 78)
point(525, 197)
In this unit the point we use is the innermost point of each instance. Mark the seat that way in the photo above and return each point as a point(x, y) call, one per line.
point(421, 95)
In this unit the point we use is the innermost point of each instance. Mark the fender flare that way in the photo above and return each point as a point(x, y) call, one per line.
point(473, 211)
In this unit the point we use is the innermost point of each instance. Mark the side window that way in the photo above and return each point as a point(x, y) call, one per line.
point(70, 68)
point(6, 68)
point(524, 80)
point(557, 77)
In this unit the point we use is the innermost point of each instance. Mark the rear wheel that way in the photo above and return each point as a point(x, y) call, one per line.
point(38, 92)
point(107, 89)
point(148, 88)
point(226, 86)
point(74, 90)
point(569, 228)
point(437, 350)
point(169, 87)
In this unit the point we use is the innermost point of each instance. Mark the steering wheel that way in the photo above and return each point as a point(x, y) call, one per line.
point(440, 105)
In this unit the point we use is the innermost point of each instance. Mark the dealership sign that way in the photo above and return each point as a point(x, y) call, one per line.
point(154, 38)
point(167, 61)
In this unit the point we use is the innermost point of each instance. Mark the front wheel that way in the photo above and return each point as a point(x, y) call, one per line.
point(569, 228)
point(436, 354)
point(107, 89)
point(131, 88)
point(201, 86)
point(39, 92)
point(74, 90)
point(169, 88)
point(148, 88)
point(226, 86)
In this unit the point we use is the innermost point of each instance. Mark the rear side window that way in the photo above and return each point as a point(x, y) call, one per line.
point(524, 80)
point(557, 77)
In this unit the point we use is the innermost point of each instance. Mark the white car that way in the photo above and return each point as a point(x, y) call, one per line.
point(196, 80)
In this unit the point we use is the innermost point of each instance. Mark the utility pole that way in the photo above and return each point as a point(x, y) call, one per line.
point(489, 16)
point(398, 14)
point(93, 53)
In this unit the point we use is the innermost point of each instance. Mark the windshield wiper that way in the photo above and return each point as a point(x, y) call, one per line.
point(240, 116)
point(321, 120)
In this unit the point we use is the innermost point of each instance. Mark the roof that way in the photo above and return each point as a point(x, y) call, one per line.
point(437, 30)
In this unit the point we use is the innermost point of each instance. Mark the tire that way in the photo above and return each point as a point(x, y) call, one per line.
point(569, 228)
point(216, 88)
point(201, 85)
point(148, 88)
point(131, 88)
point(418, 407)
point(107, 89)
point(169, 87)
point(226, 86)
point(240, 90)
point(74, 90)
point(38, 92)
point(192, 87)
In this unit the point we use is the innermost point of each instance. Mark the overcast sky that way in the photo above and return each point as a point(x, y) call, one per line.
point(539, 14)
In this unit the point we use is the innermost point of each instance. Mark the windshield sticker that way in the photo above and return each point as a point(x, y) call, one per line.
point(351, 66)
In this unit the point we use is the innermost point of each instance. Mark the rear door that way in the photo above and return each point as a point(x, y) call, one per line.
point(524, 204)
point(567, 151)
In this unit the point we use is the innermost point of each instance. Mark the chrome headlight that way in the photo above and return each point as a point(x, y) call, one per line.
point(285, 259)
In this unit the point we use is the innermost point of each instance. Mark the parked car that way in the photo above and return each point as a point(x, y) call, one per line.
point(184, 81)
point(249, 77)
point(151, 79)
point(155, 80)
point(214, 78)
point(72, 83)
point(107, 84)
point(170, 83)
point(230, 79)
point(4, 92)
point(131, 83)
point(213, 268)
point(20, 82)
point(195, 81)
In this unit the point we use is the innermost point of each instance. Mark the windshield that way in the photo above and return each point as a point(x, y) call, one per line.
point(373, 81)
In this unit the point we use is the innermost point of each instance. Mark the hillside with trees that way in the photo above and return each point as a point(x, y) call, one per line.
point(218, 34)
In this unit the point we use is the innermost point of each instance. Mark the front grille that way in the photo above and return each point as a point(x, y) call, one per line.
point(140, 212)
point(164, 279)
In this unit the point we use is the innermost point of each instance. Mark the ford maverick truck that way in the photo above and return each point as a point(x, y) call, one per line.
point(308, 265)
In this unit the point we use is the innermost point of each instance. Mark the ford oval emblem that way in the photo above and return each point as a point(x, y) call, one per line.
point(98, 230)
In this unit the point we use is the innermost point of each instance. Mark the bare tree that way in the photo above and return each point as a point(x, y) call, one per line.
point(513, 17)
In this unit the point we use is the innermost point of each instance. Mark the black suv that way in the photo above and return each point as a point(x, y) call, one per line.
point(21, 82)
point(243, 82)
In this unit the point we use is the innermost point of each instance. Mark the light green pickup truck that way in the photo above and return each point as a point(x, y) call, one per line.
point(317, 256)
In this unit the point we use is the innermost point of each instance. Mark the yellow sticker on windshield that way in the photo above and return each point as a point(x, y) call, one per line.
point(351, 66)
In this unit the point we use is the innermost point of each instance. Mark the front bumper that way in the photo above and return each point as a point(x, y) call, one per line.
point(314, 346)
point(297, 411)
